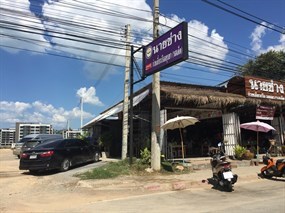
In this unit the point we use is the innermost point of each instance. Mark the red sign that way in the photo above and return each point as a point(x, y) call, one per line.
point(265, 112)
point(264, 88)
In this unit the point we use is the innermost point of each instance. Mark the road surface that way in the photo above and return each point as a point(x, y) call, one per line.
point(22, 192)
point(260, 196)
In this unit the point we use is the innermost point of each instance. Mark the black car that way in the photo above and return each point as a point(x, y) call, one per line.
point(58, 154)
point(41, 138)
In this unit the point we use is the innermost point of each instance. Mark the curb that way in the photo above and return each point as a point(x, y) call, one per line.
point(197, 179)
point(184, 185)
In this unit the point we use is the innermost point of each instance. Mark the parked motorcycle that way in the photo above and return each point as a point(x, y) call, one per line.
point(271, 169)
point(221, 168)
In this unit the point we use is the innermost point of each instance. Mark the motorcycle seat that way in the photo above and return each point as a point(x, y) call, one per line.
point(224, 162)
point(280, 161)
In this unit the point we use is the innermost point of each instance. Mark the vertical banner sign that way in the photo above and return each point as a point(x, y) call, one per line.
point(167, 50)
point(265, 112)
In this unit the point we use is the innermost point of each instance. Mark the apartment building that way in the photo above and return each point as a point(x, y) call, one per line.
point(23, 129)
point(7, 137)
point(71, 133)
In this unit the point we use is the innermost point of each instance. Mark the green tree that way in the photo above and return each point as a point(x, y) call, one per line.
point(83, 136)
point(267, 65)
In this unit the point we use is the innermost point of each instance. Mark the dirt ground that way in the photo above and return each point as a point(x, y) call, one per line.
point(53, 192)
point(21, 191)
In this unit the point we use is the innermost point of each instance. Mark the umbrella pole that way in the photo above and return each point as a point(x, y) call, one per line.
point(257, 152)
point(182, 144)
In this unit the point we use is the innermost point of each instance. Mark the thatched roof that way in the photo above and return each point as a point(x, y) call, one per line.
point(203, 95)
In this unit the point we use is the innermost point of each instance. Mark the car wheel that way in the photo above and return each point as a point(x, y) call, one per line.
point(65, 165)
point(34, 172)
point(96, 157)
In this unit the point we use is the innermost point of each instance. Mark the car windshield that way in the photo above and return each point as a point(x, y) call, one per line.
point(31, 143)
point(23, 140)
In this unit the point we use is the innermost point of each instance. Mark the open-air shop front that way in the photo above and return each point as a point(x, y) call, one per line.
point(220, 111)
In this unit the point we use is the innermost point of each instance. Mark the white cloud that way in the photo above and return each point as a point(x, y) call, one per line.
point(16, 39)
point(37, 111)
point(89, 96)
point(17, 107)
point(12, 112)
point(256, 36)
point(206, 44)
point(257, 42)
point(93, 15)
point(90, 13)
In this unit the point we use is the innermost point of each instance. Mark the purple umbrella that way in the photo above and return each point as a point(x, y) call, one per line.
point(257, 126)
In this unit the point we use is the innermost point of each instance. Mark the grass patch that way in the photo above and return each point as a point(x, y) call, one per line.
point(122, 168)
point(109, 170)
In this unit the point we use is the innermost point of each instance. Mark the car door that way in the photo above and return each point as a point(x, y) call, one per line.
point(73, 149)
point(85, 151)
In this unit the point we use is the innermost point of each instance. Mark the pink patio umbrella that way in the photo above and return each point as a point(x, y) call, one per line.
point(257, 126)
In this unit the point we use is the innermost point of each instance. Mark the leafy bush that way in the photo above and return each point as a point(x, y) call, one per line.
point(239, 151)
point(105, 140)
point(145, 156)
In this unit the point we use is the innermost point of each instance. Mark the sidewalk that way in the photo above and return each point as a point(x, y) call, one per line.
point(154, 182)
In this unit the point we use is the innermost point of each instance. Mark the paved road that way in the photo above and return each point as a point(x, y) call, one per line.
point(255, 197)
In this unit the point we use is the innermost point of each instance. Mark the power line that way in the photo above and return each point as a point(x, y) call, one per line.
point(281, 28)
point(78, 31)
point(65, 56)
point(241, 16)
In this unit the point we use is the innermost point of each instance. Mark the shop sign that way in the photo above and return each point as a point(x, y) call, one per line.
point(167, 50)
point(264, 88)
point(265, 112)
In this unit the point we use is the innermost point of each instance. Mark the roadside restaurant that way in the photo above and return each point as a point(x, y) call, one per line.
point(220, 111)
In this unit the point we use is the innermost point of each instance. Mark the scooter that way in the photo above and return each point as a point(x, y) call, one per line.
point(222, 171)
point(271, 169)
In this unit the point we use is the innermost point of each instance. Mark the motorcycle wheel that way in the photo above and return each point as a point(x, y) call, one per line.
point(266, 174)
point(283, 172)
point(229, 187)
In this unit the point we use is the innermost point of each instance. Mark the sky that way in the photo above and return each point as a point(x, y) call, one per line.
point(54, 53)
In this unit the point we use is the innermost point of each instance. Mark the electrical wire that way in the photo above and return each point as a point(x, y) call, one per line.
point(242, 16)
point(263, 20)
point(78, 33)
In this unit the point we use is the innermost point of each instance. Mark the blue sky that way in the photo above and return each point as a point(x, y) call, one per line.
point(37, 86)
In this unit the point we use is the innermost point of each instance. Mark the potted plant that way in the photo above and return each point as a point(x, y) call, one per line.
point(239, 152)
point(248, 155)
point(105, 141)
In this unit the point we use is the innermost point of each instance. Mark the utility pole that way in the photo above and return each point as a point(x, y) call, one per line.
point(125, 123)
point(81, 114)
point(155, 127)
point(67, 132)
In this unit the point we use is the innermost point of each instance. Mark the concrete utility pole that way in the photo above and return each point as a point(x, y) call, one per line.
point(81, 114)
point(125, 123)
point(155, 129)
